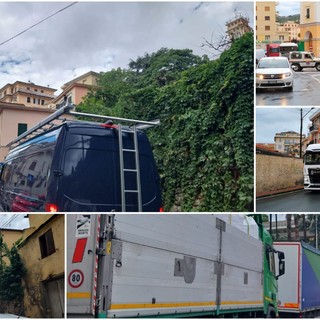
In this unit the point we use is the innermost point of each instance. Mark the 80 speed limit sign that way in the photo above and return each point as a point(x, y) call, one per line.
point(75, 278)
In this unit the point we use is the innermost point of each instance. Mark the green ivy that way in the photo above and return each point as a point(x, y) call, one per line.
point(11, 273)
point(204, 145)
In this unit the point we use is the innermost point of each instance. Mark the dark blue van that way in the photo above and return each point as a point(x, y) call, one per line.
point(81, 166)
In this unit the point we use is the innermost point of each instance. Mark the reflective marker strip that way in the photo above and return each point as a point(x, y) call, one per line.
point(179, 304)
point(79, 250)
point(291, 305)
point(95, 275)
point(78, 295)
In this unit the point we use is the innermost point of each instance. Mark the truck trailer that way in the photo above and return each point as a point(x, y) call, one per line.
point(165, 265)
point(299, 288)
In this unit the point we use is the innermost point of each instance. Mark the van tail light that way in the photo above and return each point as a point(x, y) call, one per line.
point(161, 209)
point(108, 125)
point(50, 207)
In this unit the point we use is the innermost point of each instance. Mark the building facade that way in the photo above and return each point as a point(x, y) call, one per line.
point(284, 141)
point(16, 119)
point(26, 93)
point(310, 26)
point(42, 252)
point(238, 26)
point(74, 91)
point(314, 128)
point(293, 28)
point(267, 29)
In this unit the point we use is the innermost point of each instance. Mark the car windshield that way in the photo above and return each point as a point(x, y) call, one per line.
point(273, 63)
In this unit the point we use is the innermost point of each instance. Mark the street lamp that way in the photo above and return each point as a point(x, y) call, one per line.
point(301, 125)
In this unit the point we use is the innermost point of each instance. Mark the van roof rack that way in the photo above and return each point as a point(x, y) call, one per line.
point(48, 123)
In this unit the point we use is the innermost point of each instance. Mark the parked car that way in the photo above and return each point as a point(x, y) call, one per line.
point(274, 72)
point(303, 59)
point(78, 167)
point(260, 53)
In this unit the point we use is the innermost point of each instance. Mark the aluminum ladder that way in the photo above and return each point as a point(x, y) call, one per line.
point(124, 171)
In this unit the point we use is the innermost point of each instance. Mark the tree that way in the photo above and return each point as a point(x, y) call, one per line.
point(12, 271)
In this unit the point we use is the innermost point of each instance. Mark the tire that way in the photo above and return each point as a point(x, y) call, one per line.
point(290, 89)
point(296, 67)
point(318, 66)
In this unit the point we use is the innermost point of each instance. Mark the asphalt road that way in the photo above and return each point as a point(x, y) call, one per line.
point(297, 201)
point(306, 91)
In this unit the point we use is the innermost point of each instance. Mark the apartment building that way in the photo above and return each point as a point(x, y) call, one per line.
point(23, 105)
point(285, 141)
point(75, 90)
point(310, 26)
point(314, 128)
point(27, 93)
point(293, 28)
point(266, 27)
point(238, 26)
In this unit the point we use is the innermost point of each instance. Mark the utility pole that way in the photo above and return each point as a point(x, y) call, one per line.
point(316, 231)
point(301, 122)
point(301, 126)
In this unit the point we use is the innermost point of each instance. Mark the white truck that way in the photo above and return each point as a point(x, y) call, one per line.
point(311, 169)
point(174, 265)
point(299, 288)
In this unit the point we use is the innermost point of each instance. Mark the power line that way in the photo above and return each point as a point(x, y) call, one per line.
point(36, 24)
point(6, 223)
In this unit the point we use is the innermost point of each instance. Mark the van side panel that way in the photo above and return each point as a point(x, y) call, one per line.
point(25, 175)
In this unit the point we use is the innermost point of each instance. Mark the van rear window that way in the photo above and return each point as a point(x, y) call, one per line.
point(91, 170)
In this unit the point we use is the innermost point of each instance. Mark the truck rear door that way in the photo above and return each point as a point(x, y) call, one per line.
point(289, 284)
point(82, 263)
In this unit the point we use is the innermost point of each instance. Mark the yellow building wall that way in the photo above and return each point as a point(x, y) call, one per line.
point(310, 26)
point(40, 269)
point(261, 23)
point(11, 236)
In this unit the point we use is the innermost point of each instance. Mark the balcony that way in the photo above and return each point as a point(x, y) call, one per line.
point(313, 128)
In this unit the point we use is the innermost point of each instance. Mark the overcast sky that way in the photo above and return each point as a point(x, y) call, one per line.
point(99, 36)
point(13, 221)
point(287, 8)
point(269, 121)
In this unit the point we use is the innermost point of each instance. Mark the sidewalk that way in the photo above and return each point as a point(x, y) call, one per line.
point(275, 192)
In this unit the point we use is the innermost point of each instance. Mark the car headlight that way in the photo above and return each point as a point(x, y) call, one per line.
point(286, 75)
point(259, 76)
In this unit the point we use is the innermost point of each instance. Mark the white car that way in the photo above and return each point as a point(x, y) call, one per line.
point(274, 72)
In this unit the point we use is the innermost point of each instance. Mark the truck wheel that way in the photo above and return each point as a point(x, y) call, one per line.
point(271, 313)
point(296, 67)
point(318, 67)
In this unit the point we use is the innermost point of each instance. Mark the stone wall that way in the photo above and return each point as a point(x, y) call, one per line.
point(276, 173)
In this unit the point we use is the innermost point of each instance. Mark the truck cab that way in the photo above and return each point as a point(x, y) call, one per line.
point(303, 59)
point(311, 170)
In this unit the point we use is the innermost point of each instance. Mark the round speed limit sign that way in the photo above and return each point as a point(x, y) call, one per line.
point(75, 278)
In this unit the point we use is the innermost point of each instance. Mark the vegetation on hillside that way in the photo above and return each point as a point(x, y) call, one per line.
point(204, 145)
point(283, 19)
